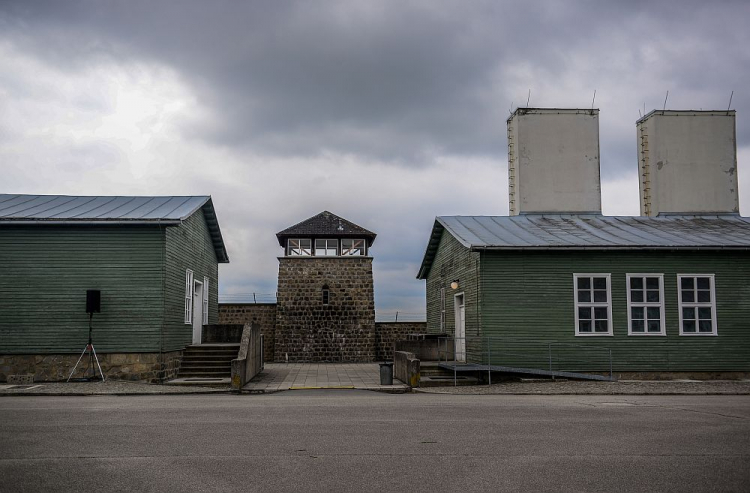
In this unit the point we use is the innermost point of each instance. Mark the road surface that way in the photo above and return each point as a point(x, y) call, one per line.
point(347, 441)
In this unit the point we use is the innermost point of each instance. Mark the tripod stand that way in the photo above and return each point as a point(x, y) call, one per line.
point(92, 357)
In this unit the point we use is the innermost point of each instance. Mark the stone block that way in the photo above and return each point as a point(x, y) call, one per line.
point(26, 379)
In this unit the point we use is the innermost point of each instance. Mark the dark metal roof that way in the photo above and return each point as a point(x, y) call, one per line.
point(326, 224)
point(590, 232)
point(98, 210)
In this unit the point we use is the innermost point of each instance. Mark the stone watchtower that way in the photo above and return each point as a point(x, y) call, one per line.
point(326, 306)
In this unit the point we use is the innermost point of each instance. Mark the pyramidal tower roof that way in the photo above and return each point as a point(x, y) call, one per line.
point(326, 225)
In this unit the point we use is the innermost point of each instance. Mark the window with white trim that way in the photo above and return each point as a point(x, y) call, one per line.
point(189, 296)
point(326, 247)
point(205, 301)
point(697, 299)
point(299, 247)
point(353, 247)
point(645, 304)
point(593, 304)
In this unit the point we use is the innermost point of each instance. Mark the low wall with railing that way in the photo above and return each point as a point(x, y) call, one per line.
point(388, 334)
point(218, 333)
point(264, 314)
point(249, 360)
point(427, 347)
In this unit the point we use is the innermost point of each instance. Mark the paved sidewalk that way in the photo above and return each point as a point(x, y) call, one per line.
point(276, 377)
point(109, 387)
point(622, 387)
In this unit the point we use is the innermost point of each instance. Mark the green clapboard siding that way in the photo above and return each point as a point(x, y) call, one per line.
point(140, 271)
point(188, 246)
point(46, 271)
point(528, 302)
point(453, 261)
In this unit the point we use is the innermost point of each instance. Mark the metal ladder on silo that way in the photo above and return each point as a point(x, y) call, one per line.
point(645, 172)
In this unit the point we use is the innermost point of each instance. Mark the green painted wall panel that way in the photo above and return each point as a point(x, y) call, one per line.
point(140, 270)
point(188, 246)
point(46, 271)
point(527, 303)
point(453, 261)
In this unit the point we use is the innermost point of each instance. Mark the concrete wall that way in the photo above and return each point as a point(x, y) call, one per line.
point(249, 358)
point(553, 160)
point(307, 330)
point(264, 314)
point(687, 162)
point(387, 334)
point(406, 367)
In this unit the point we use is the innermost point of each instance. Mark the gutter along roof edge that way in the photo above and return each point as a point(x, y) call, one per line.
point(88, 222)
point(477, 248)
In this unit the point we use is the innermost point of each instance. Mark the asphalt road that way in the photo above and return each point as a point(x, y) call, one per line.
point(360, 441)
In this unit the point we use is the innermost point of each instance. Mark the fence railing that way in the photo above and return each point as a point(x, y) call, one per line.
point(487, 351)
point(399, 316)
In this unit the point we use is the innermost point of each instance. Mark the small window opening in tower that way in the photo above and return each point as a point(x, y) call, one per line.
point(326, 295)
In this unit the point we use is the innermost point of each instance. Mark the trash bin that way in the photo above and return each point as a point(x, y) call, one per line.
point(386, 373)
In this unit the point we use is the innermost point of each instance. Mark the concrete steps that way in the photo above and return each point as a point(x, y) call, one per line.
point(431, 375)
point(208, 361)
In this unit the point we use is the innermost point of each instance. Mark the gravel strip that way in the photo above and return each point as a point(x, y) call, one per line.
point(567, 387)
point(109, 387)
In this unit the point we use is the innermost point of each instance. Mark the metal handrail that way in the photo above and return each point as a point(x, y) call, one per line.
point(485, 350)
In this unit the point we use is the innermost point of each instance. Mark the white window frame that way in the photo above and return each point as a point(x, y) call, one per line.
point(442, 309)
point(189, 287)
point(356, 247)
point(299, 249)
point(593, 304)
point(327, 248)
point(205, 300)
point(646, 305)
point(696, 304)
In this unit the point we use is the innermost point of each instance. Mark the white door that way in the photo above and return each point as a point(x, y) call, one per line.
point(197, 312)
point(460, 335)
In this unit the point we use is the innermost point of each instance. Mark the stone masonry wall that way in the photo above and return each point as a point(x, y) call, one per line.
point(306, 329)
point(149, 367)
point(388, 333)
point(264, 314)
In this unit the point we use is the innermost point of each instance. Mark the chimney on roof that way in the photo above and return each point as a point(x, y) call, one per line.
point(687, 162)
point(553, 161)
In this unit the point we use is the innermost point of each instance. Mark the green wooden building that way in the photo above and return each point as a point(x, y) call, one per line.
point(565, 291)
point(153, 259)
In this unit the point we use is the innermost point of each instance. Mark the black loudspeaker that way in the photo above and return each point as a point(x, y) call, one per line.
point(93, 300)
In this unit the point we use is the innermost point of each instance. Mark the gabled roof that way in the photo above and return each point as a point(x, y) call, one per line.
point(590, 232)
point(326, 224)
point(96, 210)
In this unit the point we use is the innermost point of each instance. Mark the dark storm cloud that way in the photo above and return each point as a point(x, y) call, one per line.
point(305, 106)
point(388, 80)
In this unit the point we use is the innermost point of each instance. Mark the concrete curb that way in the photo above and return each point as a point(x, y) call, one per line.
point(425, 391)
point(82, 394)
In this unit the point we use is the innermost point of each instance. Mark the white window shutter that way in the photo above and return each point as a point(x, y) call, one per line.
point(189, 296)
point(205, 301)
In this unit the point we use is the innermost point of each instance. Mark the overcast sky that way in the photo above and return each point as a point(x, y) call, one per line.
point(385, 113)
